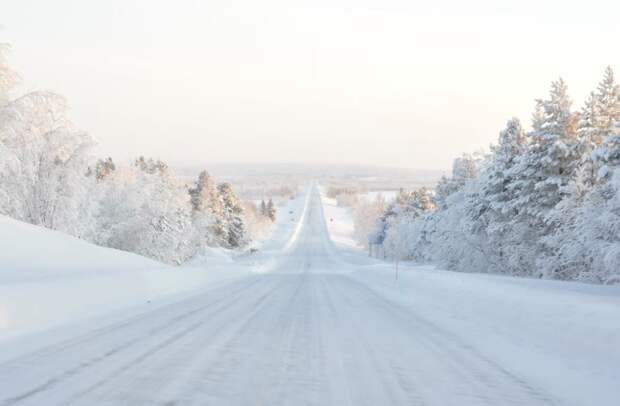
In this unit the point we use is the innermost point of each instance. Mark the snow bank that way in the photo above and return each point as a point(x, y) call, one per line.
point(28, 252)
point(49, 279)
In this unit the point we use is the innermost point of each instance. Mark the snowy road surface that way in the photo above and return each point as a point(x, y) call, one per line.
point(307, 332)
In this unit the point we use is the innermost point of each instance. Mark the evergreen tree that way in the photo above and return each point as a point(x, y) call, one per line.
point(607, 122)
point(233, 217)
point(103, 169)
point(608, 106)
point(207, 211)
point(590, 139)
point(270, 210)
point(511, 145)
point(491, 216)
point(543, 177)
point(151, 166)
point(544, 173)
point(535, 207)
point(205, 196)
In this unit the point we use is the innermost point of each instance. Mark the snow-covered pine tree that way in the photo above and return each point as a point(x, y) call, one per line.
point(492, 217)
point(511, 145)
point(207, 212)
point(233, 217)
point(607, 122)
point(590, 139)
point(103, 169)
point(587, 241)
point(204, 195)
point(151, 166)
point(608, 105)
point(270, 210)
point(544, 175)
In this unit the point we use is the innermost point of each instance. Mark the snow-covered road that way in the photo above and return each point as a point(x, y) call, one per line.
point(307, 331)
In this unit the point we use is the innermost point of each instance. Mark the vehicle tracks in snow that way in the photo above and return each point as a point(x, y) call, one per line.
point(306, 333)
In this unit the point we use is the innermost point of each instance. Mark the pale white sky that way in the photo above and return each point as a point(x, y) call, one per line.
point(389, 82)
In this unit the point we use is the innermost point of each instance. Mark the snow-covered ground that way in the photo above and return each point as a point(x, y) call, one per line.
point(388, 195)
point(48, 278)
point(339, 223)
point(563, 335)
point(324, 325)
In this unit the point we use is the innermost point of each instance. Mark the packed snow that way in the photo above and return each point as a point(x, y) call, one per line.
point(318, 323)
point(48, 278)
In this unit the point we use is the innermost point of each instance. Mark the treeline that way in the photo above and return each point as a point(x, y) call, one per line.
point(543, 203)
point(47, 178)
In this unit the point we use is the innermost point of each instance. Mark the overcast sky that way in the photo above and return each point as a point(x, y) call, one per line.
point(388, 82)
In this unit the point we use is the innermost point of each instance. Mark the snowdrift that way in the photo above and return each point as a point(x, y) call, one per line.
point(49, 278)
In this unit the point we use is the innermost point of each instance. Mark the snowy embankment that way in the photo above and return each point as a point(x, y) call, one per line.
point(50, 279)
point(565, 336)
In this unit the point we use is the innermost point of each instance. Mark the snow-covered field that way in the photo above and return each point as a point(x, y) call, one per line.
point(322, 324)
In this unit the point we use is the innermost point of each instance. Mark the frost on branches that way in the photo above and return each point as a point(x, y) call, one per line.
point(543, 203)
point(48, 178)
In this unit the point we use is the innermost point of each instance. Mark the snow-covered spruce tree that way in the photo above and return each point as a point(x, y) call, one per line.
point(588, 238)
point(270, 210)
point(493, 219)
point(590, 140)
point(207, 212)
point(512, 143)
point(44, 164)
point(102, 169)
point(598, 131)
point(544, 175)
point(536, 208)
point(607, 124)
point(233, 217)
